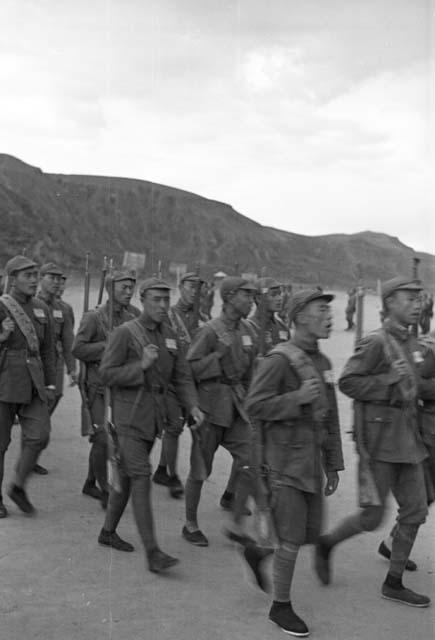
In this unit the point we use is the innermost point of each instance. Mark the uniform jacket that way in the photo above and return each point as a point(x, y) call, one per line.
point(427, 391)
point(67, 308)
point(275, 331)
point(138, 396)
point(391, 428)
point(63, 330)
point(223, 381)
point(22, 374)
point(295, 446)
point(92, 336)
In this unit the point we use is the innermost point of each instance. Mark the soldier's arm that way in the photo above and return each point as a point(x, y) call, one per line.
point(362, 378)
point(67, 343)
point(86, 347)
point(203, 357)
point(115, 369)
point(426, 383)
point(47, 351)
point(332, 448)
point(264, 400)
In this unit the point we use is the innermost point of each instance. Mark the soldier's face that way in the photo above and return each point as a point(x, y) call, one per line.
point(123, 292)
point(405, 306)
point(274, 299)
point(188, 291)
point(317, 319)
point(242, 301)
point(26, 281)
point(156, 304)
point(62, 285)
point(50, 283)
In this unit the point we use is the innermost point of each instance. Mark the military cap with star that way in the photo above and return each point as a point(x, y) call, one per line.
point(153, 283)
point(231, 284)
point(399, 284)
point(51, 268)
point(305, 296)
point(19, 263)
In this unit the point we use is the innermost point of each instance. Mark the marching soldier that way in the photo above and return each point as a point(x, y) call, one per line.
point(383, 375)
point(142, 361)
point(65, 305)
point(27, 374)
point(88, 347)
point(350, 308)
point(270, 330)
point(221, 356)
point(292, 398)
point(184, 321)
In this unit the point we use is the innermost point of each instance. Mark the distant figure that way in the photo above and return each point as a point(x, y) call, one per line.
point(426, 312)
point(287, 296)
point(350, 308)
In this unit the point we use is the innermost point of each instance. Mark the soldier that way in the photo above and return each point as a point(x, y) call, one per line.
point(143, 359)
point(350, 308)
point(88, 347)
point(292, 394)
point(65, 305)
point(271, 330)
point(27, 374)
point(221, 356)
point(383, 375)
point(183, 318)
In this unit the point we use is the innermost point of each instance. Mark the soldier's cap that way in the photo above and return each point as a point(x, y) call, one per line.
point(231, 284)
point(51, 268)
point(153, 283)
point(304, 296)
point(19, 263)
point(399, 284)
point(190, 276)
point(267, 283)
point(120, 275)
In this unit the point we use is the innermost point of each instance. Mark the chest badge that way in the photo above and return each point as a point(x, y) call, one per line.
point(417, 356)
point(38, 313)
point(246, 341)
point(283, 335)
point(57, 313)
point(171, 344)
point(328, 376)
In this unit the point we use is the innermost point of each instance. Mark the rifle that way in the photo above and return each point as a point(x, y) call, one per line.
point(263, 317)
point(415, 263)
point(113, 455)
point(368, 493)
point(102, 281)
point(87, 425)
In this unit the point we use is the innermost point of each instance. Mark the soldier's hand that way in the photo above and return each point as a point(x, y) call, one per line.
point(222, 347)
point(309, 391)
point(73, 379)
point(7, 328)
point(149, 355)
point(51, 396)
point(196, 418)
point(331, 483)
point(400, 368)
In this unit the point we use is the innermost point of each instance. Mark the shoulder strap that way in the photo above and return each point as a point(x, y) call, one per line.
point(393, 351)
point(138, 333)
point(179, 326)
point(23, 321)
point(302, 364)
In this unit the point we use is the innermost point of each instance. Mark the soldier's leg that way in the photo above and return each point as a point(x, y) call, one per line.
point(367, 519)
point(7, 415)
point(290, 514)
point(238, 442)
point(211, 436)
point(97, 470)
point(169, 452)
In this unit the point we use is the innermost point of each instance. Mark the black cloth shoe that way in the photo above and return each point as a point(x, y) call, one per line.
point(282, 614)
point(175, 487)
point(159, 561)
point(91, 489)
point(254, 556)
point(19, 496)
point(227, 503)
point(195, 537)
point(384, 551)
point(3, 510)
point(322, 561)
point(41, 471)
point(240, 538)
point(109, 539)
point(161, 477)
point(404, 596)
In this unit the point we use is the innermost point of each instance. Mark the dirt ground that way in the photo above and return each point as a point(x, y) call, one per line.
point(57, 583)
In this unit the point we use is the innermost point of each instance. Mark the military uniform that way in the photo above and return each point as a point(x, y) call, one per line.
point(139, 410)
point(222, 357)
point(27, 368)
point(88, 346)
point(63, 334)
point(392, 440)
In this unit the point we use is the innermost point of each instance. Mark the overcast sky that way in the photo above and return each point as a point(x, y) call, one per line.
point(315, 116)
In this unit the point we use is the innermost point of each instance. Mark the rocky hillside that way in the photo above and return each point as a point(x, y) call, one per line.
point(61, 217)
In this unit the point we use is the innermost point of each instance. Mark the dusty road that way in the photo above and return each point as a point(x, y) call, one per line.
point(57, 583)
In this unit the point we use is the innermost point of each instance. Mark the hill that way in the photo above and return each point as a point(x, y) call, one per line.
point(60, 217)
